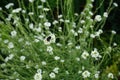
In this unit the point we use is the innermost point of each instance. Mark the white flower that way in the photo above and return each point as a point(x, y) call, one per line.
point(91, 13)
point(23, 11)
point(43, 1)
point(46, 9)
point(47, 25)
point(31, 25)
point(60, 16)
point(98, 18)
point(86, 74)
point(98, 32)
point(67, 21)
point(78, 59)
point(105, 14)
point(82, 21)
point(113, 32)
point(11, 56)
point(115, 4)
point(22, 58)
point(44, 63)
point(56, 57)
point(40, 6)
point(9, 5)
point(49, 49)
point(6, 41)
point(95, 54)
point(0, 8)
point(31, 1)
point(10, 45)
point(13, 33)
point(61, 20)
point(80, 30)
point(62, 61)
point(110, 75)
point(31, 13)
point(77, 47)
point(79, 72)
point(16, 10)
point(114, 44)
point(41, 16)
point(36, 40)
point(38, 29)
point(52, 75)
point(49, 39)
point(56, 70)
point(55, 22)
point(85, 54)
point(92, 35)
point(97, 74)
point(38, 76)
point(92, 0)
point(76, 14)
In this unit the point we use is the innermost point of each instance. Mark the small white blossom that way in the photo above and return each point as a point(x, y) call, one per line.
point(95, 54)
point(16, 10)
point(13, 33)
point(49, 49)
point(79, 72)
point(105, 14)
point(85, 54)
point(61, 20)
point(98, 18)
point(110, 75)
point(31, 1)
point(92, 35)
point(115, 4)
point(76, 14)
point(62, 61)
point(80, 30)
point(91, 13)
point(44, 63)
point(55, 22)
point(56, 57)
point(55, 70)
point(86, 74)
point(113, 32)
point(49, 39)
point(38, 76)
point(9, 5)
point(114, 44)
point(6, 41)
point(10, 45)
point(60, 16)
point(67, 21)
point(52, 75)
point(46, 9)
point(47, 25)
point(0, 8)
point(40, 6)
point(97, 74)
point(82, 21)
point(22, 58)
point(23, 11)
point(31, 13)
point(43, 1)
point(77, 47)
point(78, 59)
point(41, 16)
point(31, 25)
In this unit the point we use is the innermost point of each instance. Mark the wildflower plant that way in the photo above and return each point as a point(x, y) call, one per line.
point(36, 44)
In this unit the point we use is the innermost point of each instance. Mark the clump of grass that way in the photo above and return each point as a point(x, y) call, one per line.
point(35, 45)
